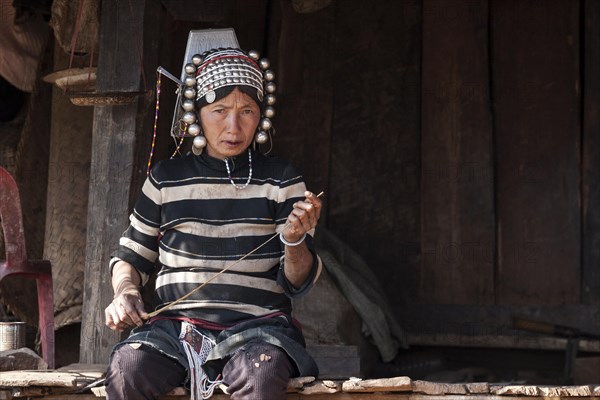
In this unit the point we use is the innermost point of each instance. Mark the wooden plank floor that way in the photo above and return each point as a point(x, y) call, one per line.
point(71, 383)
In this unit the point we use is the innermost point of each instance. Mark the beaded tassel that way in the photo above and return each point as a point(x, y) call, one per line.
point(178, 147)
point(155, 123)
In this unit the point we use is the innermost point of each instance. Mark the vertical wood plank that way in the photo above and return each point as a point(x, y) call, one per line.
point(535, 59)
point(250, 23)
point(374, 195)
point(113, 143)
point(590, 279)
point(457, 231)
point(66, 216)
point(304, 68)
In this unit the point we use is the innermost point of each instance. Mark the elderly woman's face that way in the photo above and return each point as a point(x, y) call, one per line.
point(229, 124)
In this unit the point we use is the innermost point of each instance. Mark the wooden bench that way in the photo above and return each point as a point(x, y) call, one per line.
point(72, 382)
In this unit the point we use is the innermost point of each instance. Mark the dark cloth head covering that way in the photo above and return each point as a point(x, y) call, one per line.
point(225, 91)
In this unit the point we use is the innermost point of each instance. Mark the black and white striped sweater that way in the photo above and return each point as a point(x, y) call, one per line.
point(196, 222)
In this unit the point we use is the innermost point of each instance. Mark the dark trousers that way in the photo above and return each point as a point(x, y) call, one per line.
point(257, 371)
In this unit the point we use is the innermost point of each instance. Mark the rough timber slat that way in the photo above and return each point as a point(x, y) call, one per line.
point(436, 388)
point(64, 383)
point(321, 387)
point(478, 387)
point(341, 396)
point(397, 384)
point(47, 378)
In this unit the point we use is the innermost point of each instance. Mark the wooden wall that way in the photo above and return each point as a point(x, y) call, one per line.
point(452, 138)
point(456, 142)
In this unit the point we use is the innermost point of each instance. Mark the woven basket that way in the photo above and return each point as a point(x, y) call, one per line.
point(106, 99)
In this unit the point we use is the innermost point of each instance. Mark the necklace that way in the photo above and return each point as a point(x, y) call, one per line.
point(249, 175)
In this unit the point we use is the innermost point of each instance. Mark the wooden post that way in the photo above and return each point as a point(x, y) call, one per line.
point(113, 166)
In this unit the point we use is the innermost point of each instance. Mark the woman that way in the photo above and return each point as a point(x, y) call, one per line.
point(198, 215)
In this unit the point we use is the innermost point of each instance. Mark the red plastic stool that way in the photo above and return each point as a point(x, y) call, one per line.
point(17, 263)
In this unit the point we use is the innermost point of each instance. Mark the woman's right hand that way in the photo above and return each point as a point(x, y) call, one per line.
point(126, 309)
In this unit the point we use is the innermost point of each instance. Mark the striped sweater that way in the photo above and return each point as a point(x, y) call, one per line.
point(196, 223)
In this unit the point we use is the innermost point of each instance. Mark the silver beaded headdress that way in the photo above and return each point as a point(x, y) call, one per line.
point(213, 70)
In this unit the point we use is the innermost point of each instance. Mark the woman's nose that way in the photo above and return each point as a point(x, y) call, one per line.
point(233, 123)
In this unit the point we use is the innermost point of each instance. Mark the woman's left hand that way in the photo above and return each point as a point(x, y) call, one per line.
point(303, 218)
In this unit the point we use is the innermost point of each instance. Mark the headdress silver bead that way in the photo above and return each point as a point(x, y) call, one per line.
point(190, 81)
point(193, 129)
point(189, 93)
point(187, 105)
point(199, 142)
point(262, 137)
point(253, 54)
point(190, 69)
point(269, 112)
point(265, 124)
point(270, 99)
point(269, 75)
point(264, 63)
point(197, 59)
point(188, 117)
point(270, 87)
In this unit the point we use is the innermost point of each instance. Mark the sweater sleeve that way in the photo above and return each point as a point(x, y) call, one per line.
point(291, 190)
point(139, 243)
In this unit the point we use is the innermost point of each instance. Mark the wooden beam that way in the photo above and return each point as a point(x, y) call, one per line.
point(499, 342)
point(493, 321)
point(113, 149)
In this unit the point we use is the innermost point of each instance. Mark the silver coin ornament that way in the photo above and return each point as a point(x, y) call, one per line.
point(262, 137)
point(253, 54)
point(210, 96)
point(199, 142)
point(193, 129)
point(188, 117)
